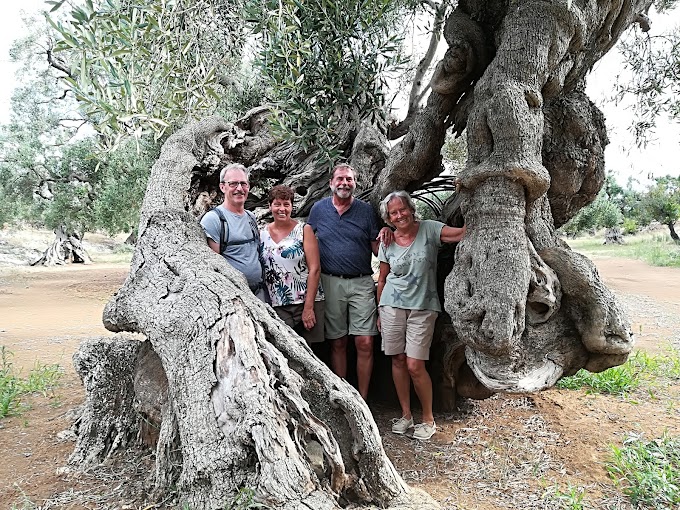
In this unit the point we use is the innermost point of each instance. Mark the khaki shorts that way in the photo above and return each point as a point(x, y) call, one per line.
point(350, 306)
point(292, 315)
point(407, 331)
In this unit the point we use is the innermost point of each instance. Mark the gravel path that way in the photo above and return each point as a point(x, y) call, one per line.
point(656, 323)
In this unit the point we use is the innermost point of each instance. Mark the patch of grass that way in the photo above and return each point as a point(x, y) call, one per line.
point(25, 501)
point(622, 380)
point(41, 379)
point(571, 498)
point(648, 472)
point(25, 505)
point(245, 500)
point(672, 362)
point(619, 380)
point(614, 381)
point(655, 249)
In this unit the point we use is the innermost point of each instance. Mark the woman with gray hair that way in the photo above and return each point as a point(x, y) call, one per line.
point(409, 304)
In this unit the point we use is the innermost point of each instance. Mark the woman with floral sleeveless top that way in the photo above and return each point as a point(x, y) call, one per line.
point(291, 268)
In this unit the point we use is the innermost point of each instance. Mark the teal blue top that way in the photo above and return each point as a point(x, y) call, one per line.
point(412, 280)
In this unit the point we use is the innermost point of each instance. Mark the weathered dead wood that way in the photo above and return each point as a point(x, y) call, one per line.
point(108, 421)
point(613, 236)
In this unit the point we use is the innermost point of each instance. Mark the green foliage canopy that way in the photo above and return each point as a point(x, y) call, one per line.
point(137, 68)
point(662, 201)
point(603, 212)
point(326, 62)
point(51, 173)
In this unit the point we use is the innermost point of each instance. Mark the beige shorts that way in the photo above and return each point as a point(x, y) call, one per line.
point(350, 306)
point(292, 315)
point(407, 331)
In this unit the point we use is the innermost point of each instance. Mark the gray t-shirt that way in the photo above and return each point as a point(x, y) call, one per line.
point(243, 255)
point(412, 281)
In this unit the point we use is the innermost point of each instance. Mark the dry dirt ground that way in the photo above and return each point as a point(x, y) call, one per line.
point(510, 451)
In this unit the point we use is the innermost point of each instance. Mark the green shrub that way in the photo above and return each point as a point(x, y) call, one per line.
point(614, 381)
point(626, 378)
point(570, 499)
point(629, 226)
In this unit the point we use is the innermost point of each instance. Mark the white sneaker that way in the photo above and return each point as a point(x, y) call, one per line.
point(401, 425)
point(424, 431)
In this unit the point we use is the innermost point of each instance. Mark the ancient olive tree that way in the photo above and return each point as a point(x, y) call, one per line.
point(239, 399)
point(662, 203)
point(50, 173)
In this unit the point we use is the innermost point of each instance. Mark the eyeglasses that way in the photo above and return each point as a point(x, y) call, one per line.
point(236, 184)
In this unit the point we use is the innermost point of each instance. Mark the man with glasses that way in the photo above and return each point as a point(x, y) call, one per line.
point(232, 230)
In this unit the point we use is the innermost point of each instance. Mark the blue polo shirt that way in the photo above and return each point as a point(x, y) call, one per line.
point(344, 241)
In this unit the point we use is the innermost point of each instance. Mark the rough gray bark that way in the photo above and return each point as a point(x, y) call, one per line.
point(108, 421)
point(510, 298)
point(247, 399)
point(270, 161)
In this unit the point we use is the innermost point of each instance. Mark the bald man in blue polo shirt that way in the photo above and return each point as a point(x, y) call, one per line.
point(347, 230)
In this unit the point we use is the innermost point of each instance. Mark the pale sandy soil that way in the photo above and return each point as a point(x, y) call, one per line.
point(499, 453)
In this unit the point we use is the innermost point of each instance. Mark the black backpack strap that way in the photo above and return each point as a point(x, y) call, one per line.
point(255, 231)
point(224, 230)
point(260, 248)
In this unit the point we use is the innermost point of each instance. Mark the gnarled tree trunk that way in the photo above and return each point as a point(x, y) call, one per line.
point(247, 404)
point(528, 309)
point(66, 248)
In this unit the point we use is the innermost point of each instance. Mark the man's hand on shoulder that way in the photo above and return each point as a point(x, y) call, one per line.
point(385, 236)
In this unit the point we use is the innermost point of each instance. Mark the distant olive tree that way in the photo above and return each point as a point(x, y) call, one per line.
point(94, 100)
point(602, 213)
point(662, 203)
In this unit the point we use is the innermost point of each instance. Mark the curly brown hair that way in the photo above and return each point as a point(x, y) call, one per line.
point(281, 192)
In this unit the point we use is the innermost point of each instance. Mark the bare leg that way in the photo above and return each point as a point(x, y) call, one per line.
point(402, 383)
point(364, 345)
point(423, 385)
point(339, 356)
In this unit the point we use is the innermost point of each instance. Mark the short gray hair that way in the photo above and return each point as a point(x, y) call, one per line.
point(343, 165)
point(234, 166)
point(404, 197)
